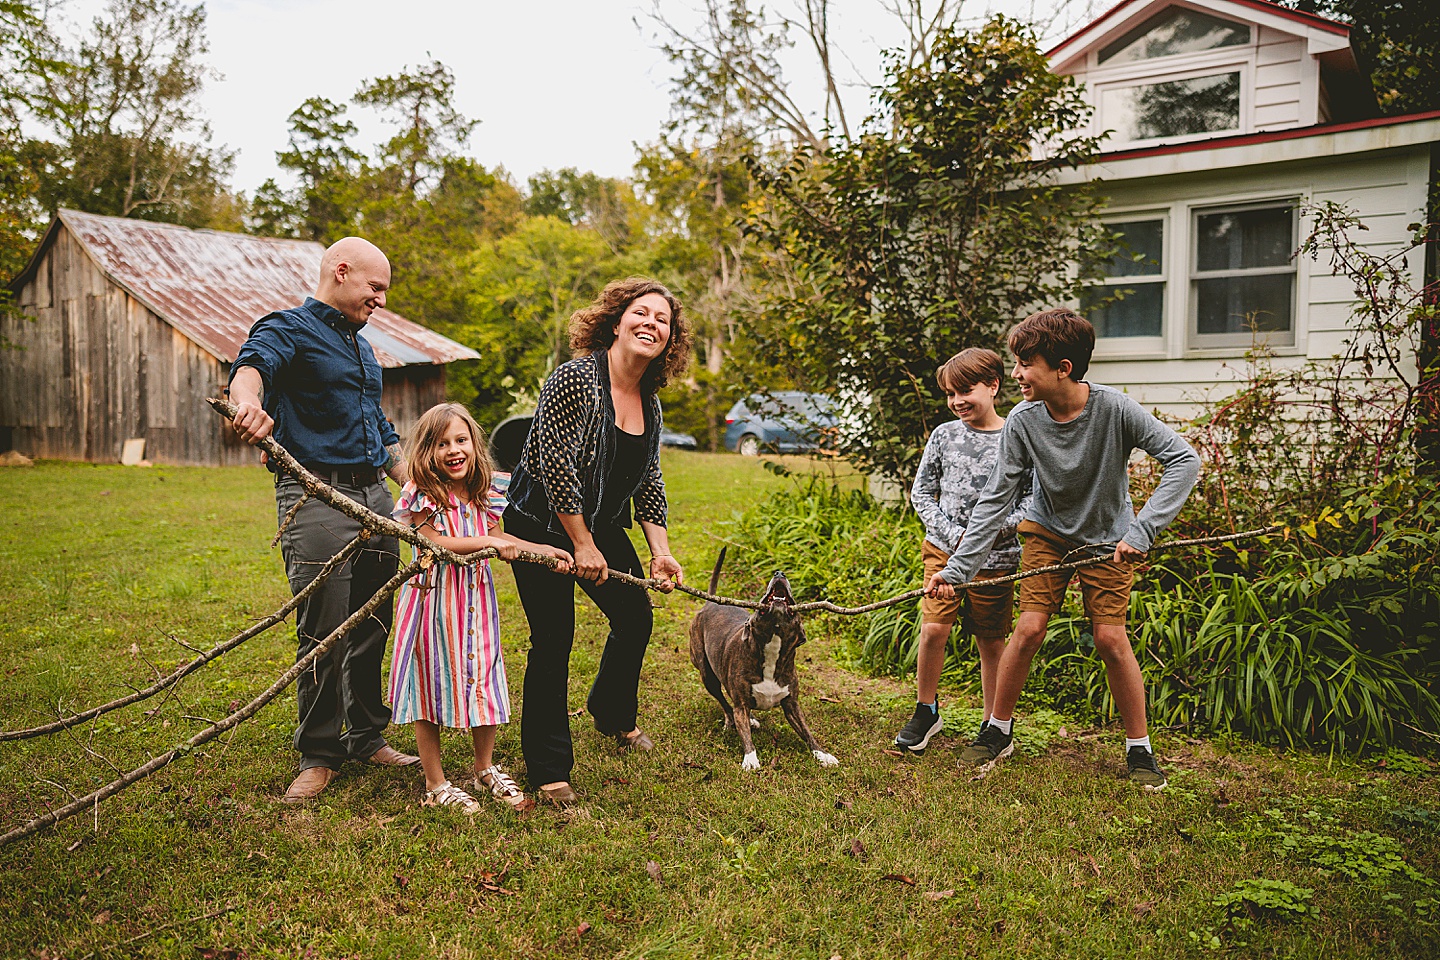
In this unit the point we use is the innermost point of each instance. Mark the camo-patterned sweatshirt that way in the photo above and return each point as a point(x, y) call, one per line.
point(952, 473)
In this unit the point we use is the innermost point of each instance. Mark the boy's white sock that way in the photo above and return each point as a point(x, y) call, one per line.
point(1004, 726)
point(1142, 742)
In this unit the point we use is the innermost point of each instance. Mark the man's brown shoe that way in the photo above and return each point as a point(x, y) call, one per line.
point(310, 784)
point(388, 756)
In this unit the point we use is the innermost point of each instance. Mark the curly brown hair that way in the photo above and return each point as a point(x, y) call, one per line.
point(593, 328)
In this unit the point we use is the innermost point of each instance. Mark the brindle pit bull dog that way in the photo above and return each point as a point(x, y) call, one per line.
point(751, 656)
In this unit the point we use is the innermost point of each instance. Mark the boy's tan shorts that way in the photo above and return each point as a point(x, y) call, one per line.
point(1104, 588)
point(988, 610)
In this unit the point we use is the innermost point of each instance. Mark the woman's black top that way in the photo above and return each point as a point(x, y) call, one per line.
point(625, 472)
point(567, 464)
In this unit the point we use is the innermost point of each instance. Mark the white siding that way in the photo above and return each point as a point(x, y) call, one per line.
point(1386, 188)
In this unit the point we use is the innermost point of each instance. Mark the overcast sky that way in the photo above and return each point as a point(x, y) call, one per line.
point(555, 83)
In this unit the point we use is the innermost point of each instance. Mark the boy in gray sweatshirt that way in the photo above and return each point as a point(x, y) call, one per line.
point(1076, 437)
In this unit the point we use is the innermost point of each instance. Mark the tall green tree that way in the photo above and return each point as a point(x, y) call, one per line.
point(1398, 41)
point(936, 228)
point(604, 204)
point(523, 288)
point(125, 134)
point(23, 64)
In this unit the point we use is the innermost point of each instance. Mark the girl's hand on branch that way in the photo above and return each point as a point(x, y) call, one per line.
point(666, 569)
point(506, 550)
point(590, 563)
point(940, 587)
point(567, 562)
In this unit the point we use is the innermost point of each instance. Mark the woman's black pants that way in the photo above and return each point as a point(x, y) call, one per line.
point(549, 602)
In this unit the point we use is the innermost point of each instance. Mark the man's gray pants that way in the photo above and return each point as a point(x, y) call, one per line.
point(342, 707)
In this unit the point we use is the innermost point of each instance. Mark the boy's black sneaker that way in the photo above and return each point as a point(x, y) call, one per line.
point(1144, 771)
point(988, 748)
point(916, 734)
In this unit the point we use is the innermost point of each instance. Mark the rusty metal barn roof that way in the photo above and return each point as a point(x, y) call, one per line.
point(213, 286)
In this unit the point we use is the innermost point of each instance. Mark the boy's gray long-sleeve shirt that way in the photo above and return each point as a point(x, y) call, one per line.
point(1082, 481)
point(953, 471)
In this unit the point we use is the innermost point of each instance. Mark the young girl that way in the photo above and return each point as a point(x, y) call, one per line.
point(446, 668)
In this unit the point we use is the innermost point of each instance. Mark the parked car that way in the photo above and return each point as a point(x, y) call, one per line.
point(672, 438)
point(786, 421)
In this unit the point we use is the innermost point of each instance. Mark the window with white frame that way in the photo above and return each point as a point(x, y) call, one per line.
point(1173, 108)
point(1242, 277)
point(1174, 32)
point(1129, 302)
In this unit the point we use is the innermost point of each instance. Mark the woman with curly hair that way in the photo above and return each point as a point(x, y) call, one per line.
point(593, 450)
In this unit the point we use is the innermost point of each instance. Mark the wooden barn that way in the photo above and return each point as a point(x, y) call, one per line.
point(124, 328)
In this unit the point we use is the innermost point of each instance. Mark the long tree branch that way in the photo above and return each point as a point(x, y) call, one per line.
point(236, 718)
point(184, 671)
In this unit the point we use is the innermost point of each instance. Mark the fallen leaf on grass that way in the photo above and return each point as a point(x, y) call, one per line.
point(892, 753)
point(615, 780)
point(938, 894)
point(102, 917)
point(487, 880)
point(402, 881)
point(1144, 909)
point(577, 711)
point(134, 649)
point(842, 804)
point(583, 929)
point(857, 849)
point(828, 699)
point(1221, 800)
point(653, 868)
point(900, 878)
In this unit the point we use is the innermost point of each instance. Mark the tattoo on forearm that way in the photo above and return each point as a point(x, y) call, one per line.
point(396, 455)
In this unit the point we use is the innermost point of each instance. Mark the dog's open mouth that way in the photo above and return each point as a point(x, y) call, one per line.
point(778, 591)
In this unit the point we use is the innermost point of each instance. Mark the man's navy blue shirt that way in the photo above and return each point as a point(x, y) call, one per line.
point(322, 386)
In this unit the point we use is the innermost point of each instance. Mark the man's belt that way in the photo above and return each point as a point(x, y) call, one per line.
point(345, 474)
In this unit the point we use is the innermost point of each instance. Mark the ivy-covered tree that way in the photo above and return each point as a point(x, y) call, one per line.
point(935, 229)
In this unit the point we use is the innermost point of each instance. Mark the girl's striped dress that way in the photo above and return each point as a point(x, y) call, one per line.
point(446, 665)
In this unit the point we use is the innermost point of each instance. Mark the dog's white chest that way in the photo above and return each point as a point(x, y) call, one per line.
point(767, 692)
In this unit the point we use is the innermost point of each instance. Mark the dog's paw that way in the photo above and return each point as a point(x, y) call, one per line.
point(826, 760)
point(754, 723)
point(751, 761)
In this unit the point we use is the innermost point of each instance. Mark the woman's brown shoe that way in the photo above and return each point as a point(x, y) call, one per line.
point(560, 794)
point(634, 740)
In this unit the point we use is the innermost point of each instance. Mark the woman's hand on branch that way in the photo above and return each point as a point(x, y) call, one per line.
point(666, 569)
point(590, 563)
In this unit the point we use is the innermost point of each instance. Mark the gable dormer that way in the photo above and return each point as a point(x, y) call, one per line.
point(1160, 71)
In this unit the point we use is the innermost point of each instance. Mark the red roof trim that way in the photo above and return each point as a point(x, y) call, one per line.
point(1245, 139)
point(1321, 23)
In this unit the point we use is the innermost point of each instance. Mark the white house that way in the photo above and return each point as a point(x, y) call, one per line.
point(1226, 117)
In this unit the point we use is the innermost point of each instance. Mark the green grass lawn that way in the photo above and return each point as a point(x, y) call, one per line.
point(106, 571)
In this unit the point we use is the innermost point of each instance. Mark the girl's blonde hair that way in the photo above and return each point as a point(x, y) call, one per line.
point(425, 467)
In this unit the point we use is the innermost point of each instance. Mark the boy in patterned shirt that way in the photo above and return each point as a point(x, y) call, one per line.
point(956, 464)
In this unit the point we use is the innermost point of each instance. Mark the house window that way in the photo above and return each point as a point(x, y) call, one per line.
point(1130, 301)
point(1242, 284)
point(1174, 108)
point(1175, 31)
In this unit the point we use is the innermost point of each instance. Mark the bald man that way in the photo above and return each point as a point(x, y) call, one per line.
point(321, 399)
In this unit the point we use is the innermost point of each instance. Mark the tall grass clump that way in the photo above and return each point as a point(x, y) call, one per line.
point(843, 546)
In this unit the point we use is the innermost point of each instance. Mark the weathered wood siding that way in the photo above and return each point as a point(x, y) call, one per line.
point(84, 366)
